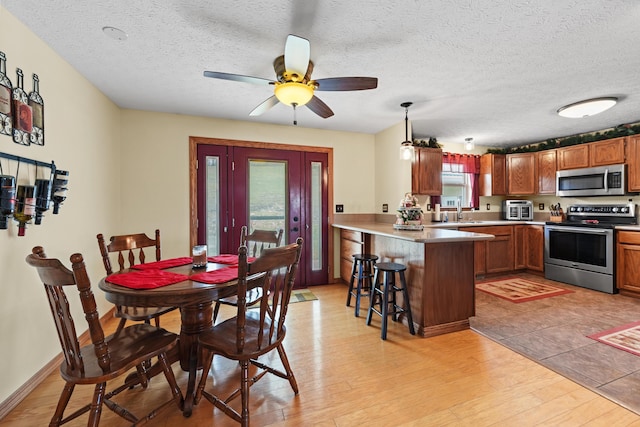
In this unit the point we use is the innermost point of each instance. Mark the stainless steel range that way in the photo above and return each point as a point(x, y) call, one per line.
point(581, 250)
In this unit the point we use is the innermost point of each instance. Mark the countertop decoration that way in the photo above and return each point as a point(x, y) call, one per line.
point(409, 216)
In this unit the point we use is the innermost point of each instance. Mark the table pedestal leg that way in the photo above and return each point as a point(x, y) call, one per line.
point(195, 320)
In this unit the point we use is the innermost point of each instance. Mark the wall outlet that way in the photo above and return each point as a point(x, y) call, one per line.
point(488, 206)
point(385, 207)
point(339, 208)
point(540, 206)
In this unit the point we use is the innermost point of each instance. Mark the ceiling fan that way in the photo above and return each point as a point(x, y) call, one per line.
point(293, 85)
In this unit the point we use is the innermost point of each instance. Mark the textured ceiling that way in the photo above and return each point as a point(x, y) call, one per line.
point(494, 70)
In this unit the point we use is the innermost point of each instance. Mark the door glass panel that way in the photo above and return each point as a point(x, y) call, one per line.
point(212, 224)
point(316, 216)
point(267, 195)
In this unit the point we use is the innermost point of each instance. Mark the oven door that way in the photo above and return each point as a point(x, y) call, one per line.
point(582, 248)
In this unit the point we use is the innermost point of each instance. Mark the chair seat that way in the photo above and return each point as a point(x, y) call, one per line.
point(222, 339)
point(125, 350)
point(140, 313)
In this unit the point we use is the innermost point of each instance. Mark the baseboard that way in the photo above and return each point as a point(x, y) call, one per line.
point(23, 391)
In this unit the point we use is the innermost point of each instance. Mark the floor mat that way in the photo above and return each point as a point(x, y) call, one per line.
point(625, 337)
point(517, 289)
point(302, 295)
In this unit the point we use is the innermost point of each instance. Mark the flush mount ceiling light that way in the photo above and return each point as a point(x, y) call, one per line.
point(115, 33)
point(587, 108)
point(407, 151)
point(468, 143)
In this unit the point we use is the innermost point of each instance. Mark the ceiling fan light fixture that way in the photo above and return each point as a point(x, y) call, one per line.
point(588, 107)
point(291, 93)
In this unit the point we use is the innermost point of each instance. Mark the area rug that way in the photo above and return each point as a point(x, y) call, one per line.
point(302, 295)
point(625, 337)
point(519, 290)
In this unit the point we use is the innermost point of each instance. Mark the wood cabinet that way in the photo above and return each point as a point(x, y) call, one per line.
point(493, 175)
point(574, 157)
point(633, 163)
point(521, 174)
point(426, 172)
point(351, 242)
point(546, 167)
point(519, 247)
point(493, 256)
point(608, 152)
point(534, 247)
point(628, 263)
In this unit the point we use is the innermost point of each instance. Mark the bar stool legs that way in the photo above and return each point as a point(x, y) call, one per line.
point(382, 299)
point(361, 275)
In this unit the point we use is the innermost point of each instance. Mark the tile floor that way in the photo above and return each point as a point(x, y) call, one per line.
point(553, 332)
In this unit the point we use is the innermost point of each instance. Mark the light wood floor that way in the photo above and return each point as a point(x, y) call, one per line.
point(349, 377)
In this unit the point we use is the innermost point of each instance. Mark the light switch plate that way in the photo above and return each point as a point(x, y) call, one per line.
point(339, 208)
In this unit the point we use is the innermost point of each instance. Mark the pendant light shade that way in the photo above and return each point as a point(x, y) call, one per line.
point(468, 143)
point(407, 152)
point(587, 108)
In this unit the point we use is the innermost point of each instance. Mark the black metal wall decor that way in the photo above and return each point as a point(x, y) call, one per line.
point(21, 114)
point(30, 201)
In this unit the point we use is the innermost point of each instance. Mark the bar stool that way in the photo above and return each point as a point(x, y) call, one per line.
point(383, 294)
point(361, 274)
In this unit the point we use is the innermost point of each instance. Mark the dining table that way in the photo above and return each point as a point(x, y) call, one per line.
point(175, 283)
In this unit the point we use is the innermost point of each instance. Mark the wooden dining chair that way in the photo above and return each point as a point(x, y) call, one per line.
point(255, 242)
point(130, 250)
point(253, 333)
point(105, 358)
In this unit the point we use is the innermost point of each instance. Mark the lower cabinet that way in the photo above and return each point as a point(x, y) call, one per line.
point(351, 242)
point(628, 263)
point(516, 247)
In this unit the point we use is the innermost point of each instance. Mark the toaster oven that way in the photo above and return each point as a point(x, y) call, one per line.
point(517, 210)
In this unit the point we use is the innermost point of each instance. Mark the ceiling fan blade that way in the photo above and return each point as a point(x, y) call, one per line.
point(265, 106)
point(296, 55)
point(319, 107)
point(347, 83)
point(238, 78)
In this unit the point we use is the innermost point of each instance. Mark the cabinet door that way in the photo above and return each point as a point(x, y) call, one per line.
point(426, 172)
point(493, 175)
point(628, 269)
point(573, 157)
point(633, 163)
point(534, 247)
point(609, 152)
point(546, 171)
point(519, 247)
point(498, 253)
point(521, 173)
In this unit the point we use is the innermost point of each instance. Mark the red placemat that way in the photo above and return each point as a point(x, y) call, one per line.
point(146, 279)
point(165, 263)
point(227, 259)
point(217, 276)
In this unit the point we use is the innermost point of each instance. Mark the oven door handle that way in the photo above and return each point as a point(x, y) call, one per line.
point(606, 179)
point(585, 230)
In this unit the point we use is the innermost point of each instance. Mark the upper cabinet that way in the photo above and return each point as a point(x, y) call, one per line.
point(601, 153)
point(633, 163)
point(546, 161)
point(521, 174)
point(574, 157)
point(493, 175)
point(426, 172)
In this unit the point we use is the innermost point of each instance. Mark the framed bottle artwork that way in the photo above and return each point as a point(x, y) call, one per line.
point(22, 114)
point(37, 109)
point(6, 118)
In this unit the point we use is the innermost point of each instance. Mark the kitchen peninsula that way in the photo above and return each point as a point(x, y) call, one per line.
point(440, 269)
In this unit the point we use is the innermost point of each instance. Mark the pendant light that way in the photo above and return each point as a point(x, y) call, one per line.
point(468, 143)
point(407, 151)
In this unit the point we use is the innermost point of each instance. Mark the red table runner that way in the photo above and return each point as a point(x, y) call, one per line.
point(217, 276)
point(166, 263)
point(146, 279)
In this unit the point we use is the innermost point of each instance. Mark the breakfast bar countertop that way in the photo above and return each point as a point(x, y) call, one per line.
point(426, 235)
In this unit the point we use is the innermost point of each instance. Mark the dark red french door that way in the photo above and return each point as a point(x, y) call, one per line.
point(265, 189)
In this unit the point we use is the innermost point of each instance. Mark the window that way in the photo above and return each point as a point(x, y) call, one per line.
point(460, 179)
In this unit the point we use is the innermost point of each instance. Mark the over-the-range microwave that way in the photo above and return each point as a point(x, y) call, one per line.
point(608, 180)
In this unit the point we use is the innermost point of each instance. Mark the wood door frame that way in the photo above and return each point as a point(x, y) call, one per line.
point(193, 182)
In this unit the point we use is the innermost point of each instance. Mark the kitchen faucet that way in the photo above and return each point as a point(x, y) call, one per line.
point(459, 209)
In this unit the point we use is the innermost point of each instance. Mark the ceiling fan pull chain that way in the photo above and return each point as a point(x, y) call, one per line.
point(295, 120)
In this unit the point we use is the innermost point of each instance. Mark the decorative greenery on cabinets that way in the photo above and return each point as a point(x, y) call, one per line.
point(617, 132)
point(430, 143)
